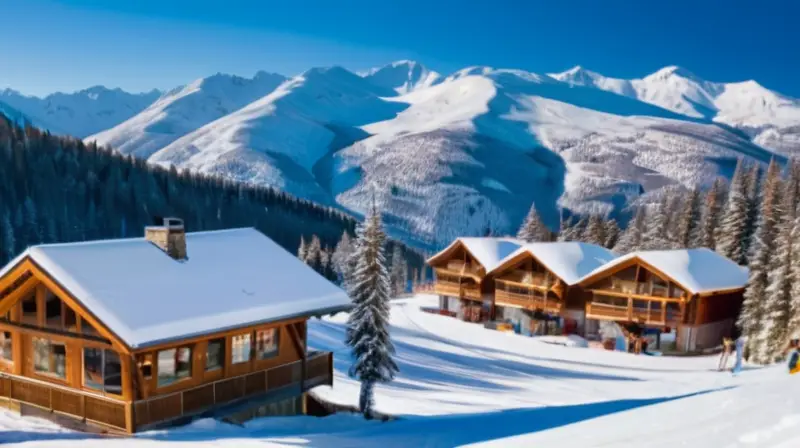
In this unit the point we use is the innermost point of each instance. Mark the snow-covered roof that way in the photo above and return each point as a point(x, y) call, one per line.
point(569, 260)
point(488, 251)
point(699, 270)
point(232, 278)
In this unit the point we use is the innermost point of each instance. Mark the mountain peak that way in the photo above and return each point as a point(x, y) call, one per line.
point(402, 76)
point(674, 70)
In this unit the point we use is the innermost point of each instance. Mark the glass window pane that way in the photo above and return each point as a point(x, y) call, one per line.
point(240, 348)
point(215, 354)
point(174, 364)
point(52, 311)
point(93, 368)
point(5, 346)
point(267, 343)
point(112, 372)
point(50, 357)
point(29, 310)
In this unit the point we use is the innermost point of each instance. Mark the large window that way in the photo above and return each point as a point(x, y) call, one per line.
point(29, 310)
point(267, 343)
point(240, 348)
point(5, 346)
point(174, 365)
point(102, 370)
point(215, 354)
point(50, 357)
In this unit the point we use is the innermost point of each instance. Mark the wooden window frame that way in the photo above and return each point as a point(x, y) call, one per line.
point(161, 388)
point(51, 376)
point(103, 392)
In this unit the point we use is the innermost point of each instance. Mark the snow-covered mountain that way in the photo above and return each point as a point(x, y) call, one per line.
point(80, 113)
point(460, 154)
point(745, 105)
point(184, 110)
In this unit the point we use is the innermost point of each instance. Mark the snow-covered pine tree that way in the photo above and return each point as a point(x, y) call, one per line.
point(7, 239)
point(671, 211)
point(753, 317)
point(655, 228)
point(367, 326)
point(579, 229)
point(533, 229)
point(314, 253)
point(612, 233)
point(595, 231)
point(341, 256)
point(731, 234)
point(566, 231)
point(709, 218)
point(302, 251)
point(753, 187)
point(794, 272)
point(399, 271)
point(631, 238)
point(688, 219)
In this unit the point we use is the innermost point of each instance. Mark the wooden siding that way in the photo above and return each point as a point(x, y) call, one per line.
point(527, 301)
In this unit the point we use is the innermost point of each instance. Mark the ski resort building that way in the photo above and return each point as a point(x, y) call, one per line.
point(139, 333)
point(535, 285)
point(462, 282)
point(696, 291)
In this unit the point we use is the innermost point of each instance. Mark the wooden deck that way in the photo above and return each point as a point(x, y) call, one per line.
point(464, 291)
point(646, 315)
point(527, 301)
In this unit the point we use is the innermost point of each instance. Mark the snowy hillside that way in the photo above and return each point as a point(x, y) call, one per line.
point(746, 105)
point(184, 110)
point(80, 113)
point(460, 384)
point(402, 76)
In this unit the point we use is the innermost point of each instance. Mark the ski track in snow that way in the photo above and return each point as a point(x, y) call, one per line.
point(461, 384)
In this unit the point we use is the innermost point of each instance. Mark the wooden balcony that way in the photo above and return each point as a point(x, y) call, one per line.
point(629, 287)
point(469, 291)
point(647, 315)
point(527, 301)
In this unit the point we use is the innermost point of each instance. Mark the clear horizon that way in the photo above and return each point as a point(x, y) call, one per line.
point(73, 45)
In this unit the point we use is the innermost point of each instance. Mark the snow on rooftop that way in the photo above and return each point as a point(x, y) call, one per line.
point(232, 278)
point(699, 270)
point(569, 260)
point(488, 251)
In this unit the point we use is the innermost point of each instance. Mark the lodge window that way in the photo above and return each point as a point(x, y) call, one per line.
point(29, 310)
point(102, 370)
point(240, 348)
point(53, 311)
point(267, 343)
point(49, 358)
point(174, 365)
point(215, 354)
point(5, 346)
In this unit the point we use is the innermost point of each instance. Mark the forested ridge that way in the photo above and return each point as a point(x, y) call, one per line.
point(58, 189)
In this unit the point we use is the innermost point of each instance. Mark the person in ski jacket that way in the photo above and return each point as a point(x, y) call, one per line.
point(739, 354)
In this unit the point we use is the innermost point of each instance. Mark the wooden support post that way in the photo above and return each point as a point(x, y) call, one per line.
point(664, 311)
point(40, 304)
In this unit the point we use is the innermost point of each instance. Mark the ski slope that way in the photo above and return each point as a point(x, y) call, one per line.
point(460, 384)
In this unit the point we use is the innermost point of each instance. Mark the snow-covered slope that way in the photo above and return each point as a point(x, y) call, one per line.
point(745, 105)
point(402, 76)
point(184, 110)
point(80, 113)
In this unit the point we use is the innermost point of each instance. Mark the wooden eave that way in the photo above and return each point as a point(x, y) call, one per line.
point(513, 261)
point(447, 252)
point(632, 262)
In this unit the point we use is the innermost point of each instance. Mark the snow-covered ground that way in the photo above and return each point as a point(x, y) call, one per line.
point(460, 384)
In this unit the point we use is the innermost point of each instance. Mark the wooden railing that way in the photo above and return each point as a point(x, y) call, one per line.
point(661, 316)
point(639, 288)
point(161, 409)
point(527, 301)
point(64, 400)
point(463, 290)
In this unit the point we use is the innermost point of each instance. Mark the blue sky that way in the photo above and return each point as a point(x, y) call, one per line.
point(54, 45)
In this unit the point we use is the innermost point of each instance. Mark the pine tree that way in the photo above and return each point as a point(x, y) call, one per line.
point(341, 256)
point(731, 235)
point(567, 230)
point(655, 232)
point(7, 238)
point(688, 219)
point(631, 238)
point(367, 326)
point(595, 231)
point(313, 253)
point(533, 229)
point(709, 218)
point(753, 317)
point(399, 271)
point(302, 251)
point(612, 233)
point(794, 273)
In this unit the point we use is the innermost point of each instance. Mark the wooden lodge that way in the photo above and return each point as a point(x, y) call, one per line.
point(696, 291)
point(464, 288)
point(536, 284)
point(133, 334)
point(570, 287)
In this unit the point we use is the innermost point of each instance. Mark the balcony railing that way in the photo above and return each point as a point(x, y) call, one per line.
point(527, 301)
point(641, 288)
point(661, 315)
point(463, 290)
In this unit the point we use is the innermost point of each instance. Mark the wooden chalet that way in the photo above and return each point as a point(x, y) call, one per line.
point(133, 334)
point(536, 285)
point(696, 291)
point(461, 281)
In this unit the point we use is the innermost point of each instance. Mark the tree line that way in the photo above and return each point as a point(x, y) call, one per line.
point(57, 189)
point(753, 220)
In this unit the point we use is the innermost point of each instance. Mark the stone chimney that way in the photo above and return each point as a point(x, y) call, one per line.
point(169, 237)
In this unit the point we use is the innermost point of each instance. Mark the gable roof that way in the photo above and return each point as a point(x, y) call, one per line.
point(569, 260)
point(232, 278)
point(488, 251)
point(699, 270)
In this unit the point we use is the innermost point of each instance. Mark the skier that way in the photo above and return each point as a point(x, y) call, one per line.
point(739, 354)
point(727, 344)
point(794, 356)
